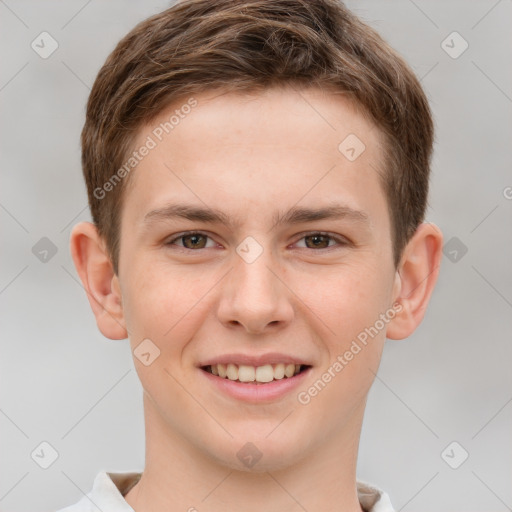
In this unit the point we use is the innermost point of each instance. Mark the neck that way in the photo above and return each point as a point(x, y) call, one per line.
point(179, 477)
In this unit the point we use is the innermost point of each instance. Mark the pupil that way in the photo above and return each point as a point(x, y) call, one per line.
point(317, 240)
point(194, 239)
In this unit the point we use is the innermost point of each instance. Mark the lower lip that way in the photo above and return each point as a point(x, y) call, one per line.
point(257, 393)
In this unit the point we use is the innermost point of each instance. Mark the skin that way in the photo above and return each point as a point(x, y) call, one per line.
point(252, 156)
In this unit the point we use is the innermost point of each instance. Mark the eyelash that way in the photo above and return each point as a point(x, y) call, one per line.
point(340, 240)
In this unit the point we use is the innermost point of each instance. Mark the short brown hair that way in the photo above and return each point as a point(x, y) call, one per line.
point(200, 45)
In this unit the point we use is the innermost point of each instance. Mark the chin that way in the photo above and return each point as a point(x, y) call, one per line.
point(258, 454)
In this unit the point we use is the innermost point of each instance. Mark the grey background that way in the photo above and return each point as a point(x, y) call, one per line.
point(62, 382)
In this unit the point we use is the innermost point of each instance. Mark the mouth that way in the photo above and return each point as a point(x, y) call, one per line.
point(256, 378)
point(255, 375)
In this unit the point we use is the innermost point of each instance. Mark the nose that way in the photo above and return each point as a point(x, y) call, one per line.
point(255, 296)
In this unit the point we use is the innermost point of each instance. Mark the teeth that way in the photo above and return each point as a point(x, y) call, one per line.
point(244, 373)
point(232, 372)
point(279, 371)
point(265, 373)
point(221, 370)
point(289, 370)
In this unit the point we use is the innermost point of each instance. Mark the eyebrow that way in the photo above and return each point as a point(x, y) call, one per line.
point(295, 215)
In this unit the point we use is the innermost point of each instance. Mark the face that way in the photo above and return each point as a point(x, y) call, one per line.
point(250, 237)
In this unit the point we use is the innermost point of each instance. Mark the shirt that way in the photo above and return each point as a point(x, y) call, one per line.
point(109, 488)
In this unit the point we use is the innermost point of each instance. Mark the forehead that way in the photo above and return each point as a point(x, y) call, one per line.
point(280, 115)
point(237, 149)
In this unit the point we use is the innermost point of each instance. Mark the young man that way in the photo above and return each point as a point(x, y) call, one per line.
point(258, 175)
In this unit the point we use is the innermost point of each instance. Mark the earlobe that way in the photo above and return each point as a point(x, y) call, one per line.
point(97, 275)
point(417, 275)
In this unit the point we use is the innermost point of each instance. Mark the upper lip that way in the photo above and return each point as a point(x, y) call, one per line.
point(255, 360)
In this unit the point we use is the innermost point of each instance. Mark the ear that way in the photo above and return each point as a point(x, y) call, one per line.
point(415, 279)
point(100, 282)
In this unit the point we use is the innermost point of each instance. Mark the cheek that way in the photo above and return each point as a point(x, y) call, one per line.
point(352, 301)
point(162, 303)
point(357, 310)
point(353, 356)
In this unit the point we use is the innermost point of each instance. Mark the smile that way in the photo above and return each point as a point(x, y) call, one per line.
point(255, 374)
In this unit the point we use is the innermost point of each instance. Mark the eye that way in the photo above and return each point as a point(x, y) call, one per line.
point(197, 240)
point(192, 240)
point(322, 240)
